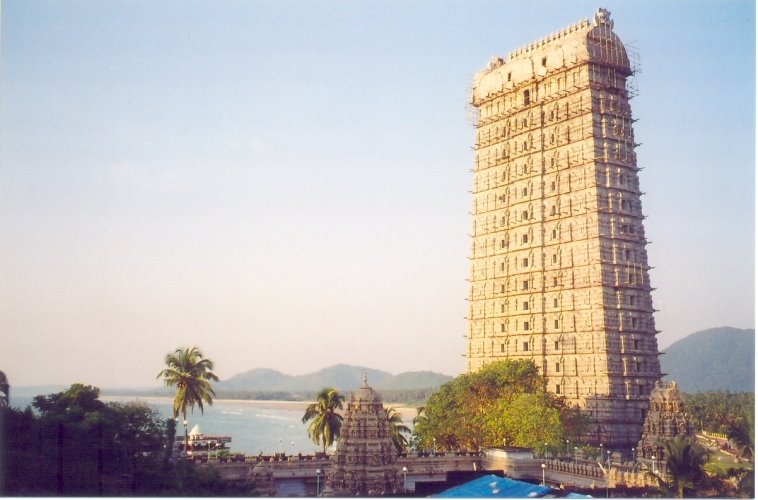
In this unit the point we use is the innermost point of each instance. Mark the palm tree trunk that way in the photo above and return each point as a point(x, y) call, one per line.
point(186, 434)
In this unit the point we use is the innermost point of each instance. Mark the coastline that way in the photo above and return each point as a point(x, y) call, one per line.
point(407, 413)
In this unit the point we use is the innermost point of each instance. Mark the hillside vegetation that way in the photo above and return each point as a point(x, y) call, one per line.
point(712, 360)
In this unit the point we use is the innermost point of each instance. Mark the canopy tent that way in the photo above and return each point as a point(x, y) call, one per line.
point(491, 486)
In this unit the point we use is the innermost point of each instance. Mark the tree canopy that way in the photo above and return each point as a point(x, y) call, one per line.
point(72, 443)
point(504, 403)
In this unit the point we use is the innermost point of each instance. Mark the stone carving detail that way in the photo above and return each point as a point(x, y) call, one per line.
point(365, 455)
point(531, 170)
point(665, 420)
point(603, 18)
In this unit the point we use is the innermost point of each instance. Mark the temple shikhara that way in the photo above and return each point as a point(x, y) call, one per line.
point(559, 268)
point(365, 460)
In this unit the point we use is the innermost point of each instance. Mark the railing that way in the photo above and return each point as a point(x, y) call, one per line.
point(618, 473)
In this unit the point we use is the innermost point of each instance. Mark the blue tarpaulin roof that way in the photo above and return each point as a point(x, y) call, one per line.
point(495, 487)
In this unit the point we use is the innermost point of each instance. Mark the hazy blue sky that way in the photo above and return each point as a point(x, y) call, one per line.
point(285, 183)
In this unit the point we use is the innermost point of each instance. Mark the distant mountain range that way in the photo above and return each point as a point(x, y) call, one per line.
point(342, 377)
point(715, 359)
point(711, 360)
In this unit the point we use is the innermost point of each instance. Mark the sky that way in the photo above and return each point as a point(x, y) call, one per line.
point(285, 184)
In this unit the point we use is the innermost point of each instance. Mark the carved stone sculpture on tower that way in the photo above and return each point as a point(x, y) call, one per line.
point(365, 460)
point(665, 420)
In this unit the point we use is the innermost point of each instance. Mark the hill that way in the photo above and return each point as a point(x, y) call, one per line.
point(715, 359)
point(342, 377)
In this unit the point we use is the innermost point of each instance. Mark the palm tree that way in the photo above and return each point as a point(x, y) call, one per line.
point(685, 459)
point(396, 429)
point(742, 433)
point(326, 422)
point(190, 372)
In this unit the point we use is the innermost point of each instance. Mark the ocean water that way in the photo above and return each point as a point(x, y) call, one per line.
point(253, 426)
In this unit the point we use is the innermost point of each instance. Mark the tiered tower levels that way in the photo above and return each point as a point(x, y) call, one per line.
point(559, 270)
point(365, 460)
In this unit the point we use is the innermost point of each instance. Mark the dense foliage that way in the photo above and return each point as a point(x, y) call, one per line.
point(71, 443)
point(685, 465)
point(504, 403)
point(718, 411)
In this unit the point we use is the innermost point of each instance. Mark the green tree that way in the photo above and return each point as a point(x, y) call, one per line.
point(685, 462)
point(397, 429)
point(527, 420)
point(190, 372)
point(503, 403)
point(742, 433)
point(325, 422)
point(718, 411)
point(74, 444)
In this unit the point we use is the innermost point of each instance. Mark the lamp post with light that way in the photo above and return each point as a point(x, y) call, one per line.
point(405, 479)
point(576, 458)
point(567, 448)
point(543, 473)
point(318, 481)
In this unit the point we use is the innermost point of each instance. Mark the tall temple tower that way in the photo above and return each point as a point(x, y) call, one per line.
point(559, 270)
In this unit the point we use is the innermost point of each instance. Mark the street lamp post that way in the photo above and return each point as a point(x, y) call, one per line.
point(576, 451)
point(543, 473)
point(634, 461)
point(601, 452)
point(567, 448)
point(434, 443)
point(318, 479)
point(544, 452)
point(405, 480)
point(281, 448)
point(293, 448)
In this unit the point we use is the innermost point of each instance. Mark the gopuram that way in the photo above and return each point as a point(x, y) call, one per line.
point(559, 267)
point(364, 462)
point(665, 420)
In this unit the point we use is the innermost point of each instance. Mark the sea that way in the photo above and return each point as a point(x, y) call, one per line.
point(255, 426)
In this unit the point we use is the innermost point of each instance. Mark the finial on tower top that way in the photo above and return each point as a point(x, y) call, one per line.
point(365, 379)
point(603, 18)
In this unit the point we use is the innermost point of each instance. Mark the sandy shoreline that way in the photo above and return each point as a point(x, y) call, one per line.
point(407, 413)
